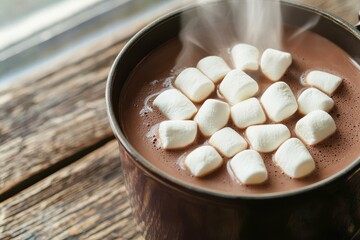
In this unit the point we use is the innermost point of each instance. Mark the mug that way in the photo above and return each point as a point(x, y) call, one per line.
point(166, 208)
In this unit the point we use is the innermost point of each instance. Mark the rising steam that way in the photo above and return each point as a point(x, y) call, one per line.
point(215, 26)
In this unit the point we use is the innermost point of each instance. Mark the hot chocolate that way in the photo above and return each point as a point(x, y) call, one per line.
point(309, 52)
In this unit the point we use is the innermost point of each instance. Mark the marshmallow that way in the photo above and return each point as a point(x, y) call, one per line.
point(294, 159)
point(175, 134)
point(279, 102)
point(312, 99)
point(228, 142)
point(274, 63)
point(194, 84)
point(267, 138)
point(248, 167)
point(245, 57)
point(203, 161)
point(215, 68)
point(315, 127)
point(212, 116)
point(174, 105)
point(247, 113)
point(238, 86)
point(324, 81)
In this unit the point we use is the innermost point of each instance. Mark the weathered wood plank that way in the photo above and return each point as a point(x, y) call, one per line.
point(53, 118)
point(85, 200)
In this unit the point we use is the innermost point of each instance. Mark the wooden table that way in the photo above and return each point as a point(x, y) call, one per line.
point(60, 177)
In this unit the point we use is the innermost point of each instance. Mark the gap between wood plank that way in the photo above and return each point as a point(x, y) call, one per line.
point(36, 177)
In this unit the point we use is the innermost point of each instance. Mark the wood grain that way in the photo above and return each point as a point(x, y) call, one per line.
point(53, 118)
point(85, 200)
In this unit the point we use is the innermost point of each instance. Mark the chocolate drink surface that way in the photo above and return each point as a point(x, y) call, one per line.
point(309, 52)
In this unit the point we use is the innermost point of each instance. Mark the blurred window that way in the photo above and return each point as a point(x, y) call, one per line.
point(34, 32)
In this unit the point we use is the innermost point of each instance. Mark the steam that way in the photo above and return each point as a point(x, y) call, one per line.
point(258, 22)
point(206, 29)
point(215, 26)
point(310, 24)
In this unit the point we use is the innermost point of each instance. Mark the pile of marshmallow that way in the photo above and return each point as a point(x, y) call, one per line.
point(248, 114)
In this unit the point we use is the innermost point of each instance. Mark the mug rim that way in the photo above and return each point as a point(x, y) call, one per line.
point(158, 174)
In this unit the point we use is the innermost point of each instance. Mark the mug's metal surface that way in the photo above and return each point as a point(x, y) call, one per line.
point(166, 208)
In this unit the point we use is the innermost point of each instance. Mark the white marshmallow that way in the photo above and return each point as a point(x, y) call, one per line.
point(312, 99)
point(245, 57)
point(203, 161)
point(274, 63)
point(194, 84)
point(279, 102)
point(324, 81)
point(212, 116)
point(315, 127)
point(267, 138)
point(174, 105)
point(238, 86)
point(249, 167)
point(215, 68)
point(175, 134)
point(228, 142)
point(247, 113)
point(294, 159)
